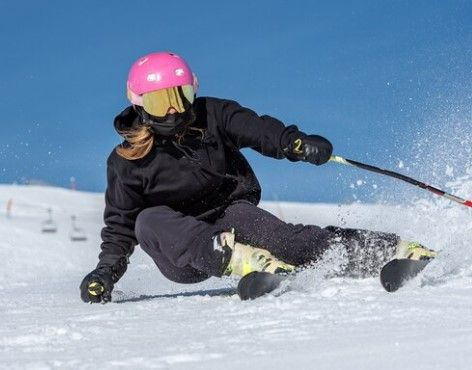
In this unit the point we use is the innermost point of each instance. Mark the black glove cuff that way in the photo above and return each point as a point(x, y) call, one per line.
point(117, 270)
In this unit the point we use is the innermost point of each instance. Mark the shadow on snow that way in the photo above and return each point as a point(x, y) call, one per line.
point(222, 292)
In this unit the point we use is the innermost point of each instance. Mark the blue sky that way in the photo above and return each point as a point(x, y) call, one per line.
point(367, 75)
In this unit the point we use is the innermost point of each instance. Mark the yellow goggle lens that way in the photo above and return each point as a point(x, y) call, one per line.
point(159, 102)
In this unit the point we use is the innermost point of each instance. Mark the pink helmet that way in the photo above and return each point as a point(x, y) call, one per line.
point(157, 71)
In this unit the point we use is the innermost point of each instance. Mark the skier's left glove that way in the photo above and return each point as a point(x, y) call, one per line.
point(311, 148)
point(97, 286)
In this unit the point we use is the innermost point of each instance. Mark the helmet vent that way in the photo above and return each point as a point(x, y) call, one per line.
point(154, 77)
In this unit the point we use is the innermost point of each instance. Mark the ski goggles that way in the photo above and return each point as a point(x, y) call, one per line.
point(158, 103)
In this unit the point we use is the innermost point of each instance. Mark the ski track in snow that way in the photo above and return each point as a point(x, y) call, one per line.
point(156, 324)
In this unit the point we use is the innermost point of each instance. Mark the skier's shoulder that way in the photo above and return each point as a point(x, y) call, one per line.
point(117, 162)
point(211, 103)
point(214, 110)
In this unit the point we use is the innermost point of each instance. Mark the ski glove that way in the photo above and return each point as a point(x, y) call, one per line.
point(97, 286)
point(311, 148)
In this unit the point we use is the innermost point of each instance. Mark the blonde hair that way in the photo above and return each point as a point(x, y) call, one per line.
point(139, 143)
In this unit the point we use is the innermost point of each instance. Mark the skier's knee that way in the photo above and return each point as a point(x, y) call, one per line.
point(149, 219)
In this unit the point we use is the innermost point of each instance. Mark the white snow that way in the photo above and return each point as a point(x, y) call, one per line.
point(449, 171)
point(152, 323)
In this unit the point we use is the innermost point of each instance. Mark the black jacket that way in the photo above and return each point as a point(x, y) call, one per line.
point(199, 176)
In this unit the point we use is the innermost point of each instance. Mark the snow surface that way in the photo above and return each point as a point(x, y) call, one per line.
point(320, 323)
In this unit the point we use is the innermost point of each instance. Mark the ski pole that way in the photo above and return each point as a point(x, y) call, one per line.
point(422, 185)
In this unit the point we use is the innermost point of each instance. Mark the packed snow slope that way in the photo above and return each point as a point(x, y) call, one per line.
point(321, 323)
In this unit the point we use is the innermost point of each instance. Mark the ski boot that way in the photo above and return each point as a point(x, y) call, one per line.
point(413, 251)
point(246, 258)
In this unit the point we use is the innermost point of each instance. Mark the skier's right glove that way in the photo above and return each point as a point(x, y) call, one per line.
point(97, 286)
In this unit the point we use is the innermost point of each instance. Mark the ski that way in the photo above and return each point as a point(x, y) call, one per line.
point(257, 284)
point(392, 277)
point(398, 271)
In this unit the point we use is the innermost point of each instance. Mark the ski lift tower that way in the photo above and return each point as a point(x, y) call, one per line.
point(49, 226)
point(73, 183)
point(77, 234)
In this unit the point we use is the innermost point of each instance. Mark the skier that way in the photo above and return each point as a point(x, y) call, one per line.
point(179, 186)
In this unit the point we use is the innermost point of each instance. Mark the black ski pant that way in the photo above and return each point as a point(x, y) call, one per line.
point(182, 246)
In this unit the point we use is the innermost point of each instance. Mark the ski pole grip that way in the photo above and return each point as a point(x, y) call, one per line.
point(338, 159)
